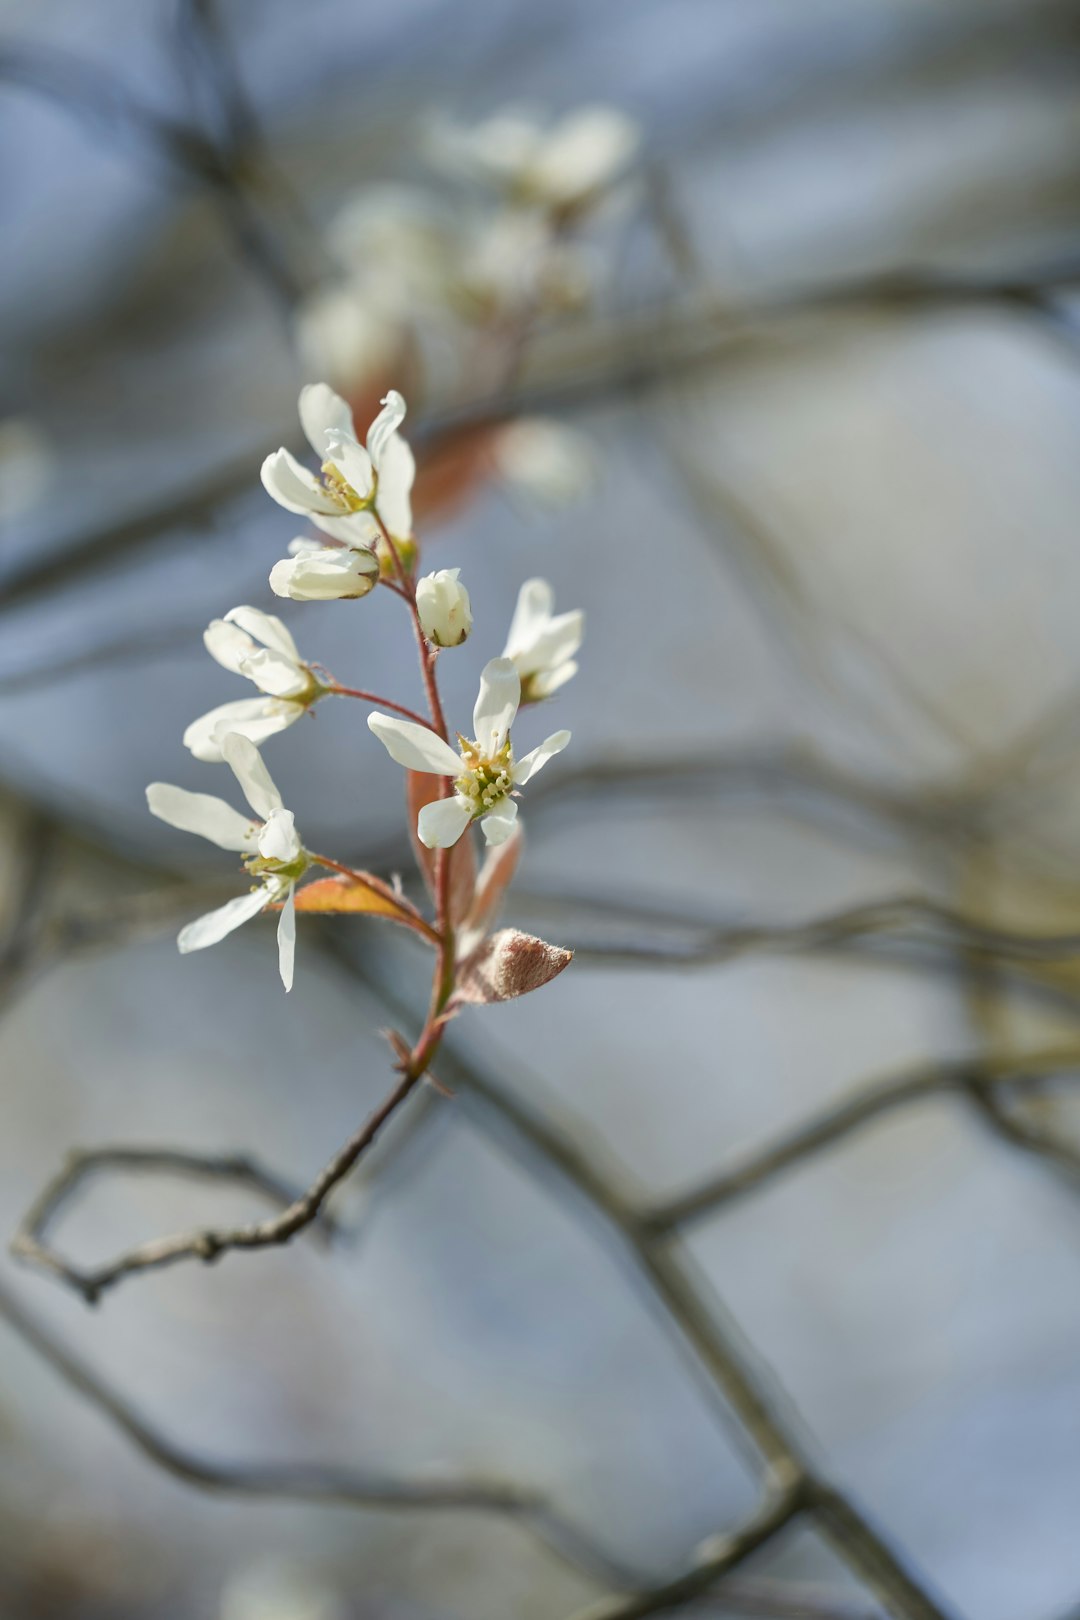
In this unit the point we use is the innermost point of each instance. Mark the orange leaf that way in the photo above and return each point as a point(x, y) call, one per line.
point(341, 894)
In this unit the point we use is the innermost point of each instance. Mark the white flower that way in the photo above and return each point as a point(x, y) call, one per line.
point(28, 465)
point(541, 645)
point(341, 333)
point(516, 263)
point(353, 479)
point(485, 773)
point(270, 845)
point(315, 573)
point(444, 608)
point(559, 166)
point(547, 461)
point(249, 642)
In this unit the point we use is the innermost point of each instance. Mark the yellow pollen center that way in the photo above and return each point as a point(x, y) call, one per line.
point(341, 492)
point(487, 778)
point(262, 866)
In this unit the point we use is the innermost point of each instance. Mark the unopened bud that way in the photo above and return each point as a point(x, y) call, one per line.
point(444, 608)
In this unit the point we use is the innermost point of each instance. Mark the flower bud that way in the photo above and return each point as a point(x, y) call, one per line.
point(318, 574)
point(444, 608)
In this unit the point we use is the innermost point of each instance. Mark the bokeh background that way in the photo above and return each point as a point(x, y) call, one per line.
point(808, 382)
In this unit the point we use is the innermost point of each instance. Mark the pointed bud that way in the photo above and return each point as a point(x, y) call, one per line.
point(444, 608)
point(508, 964)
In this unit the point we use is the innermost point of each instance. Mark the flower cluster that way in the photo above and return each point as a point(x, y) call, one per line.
point(450, 276)
point(359, 500)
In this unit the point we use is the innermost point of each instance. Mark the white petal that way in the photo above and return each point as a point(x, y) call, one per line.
point(557, 641)
point(203, 814)
point(322, 412)
point(275, 674)
point(414, 746)
point(293, 486)
point(215, 925)
point(228, 644)
point(266, 628)
point(350, 528)
point(397, 469)
point(303, 544)
point(497, 704)
point(254, 718)
point(534, 604)
point(278, 839)
point(246, 764)
point(526, 768)
point(286, 938)
point(325, 575)
point(547, 682)
point(498, 824)
point(585, 151)
point(442, 822)
point(352, 462)
point(551, 463)
point(384, 426)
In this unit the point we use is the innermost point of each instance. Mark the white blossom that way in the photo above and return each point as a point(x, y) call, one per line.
point(254, 644)
point(485, 773)
point(517, 263)
point(314, 573)
point(343, 333)
point(559, 165)
point(547, 461)
point(443, 607)
point(28, 465)
point(354, 480)
point(270, 845)
point(541, 644)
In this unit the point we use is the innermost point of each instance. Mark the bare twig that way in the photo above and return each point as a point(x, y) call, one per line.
point(685, 1299)
point(640, 351)
point(206, 1243)
point(779, 1599)
point(915, 916)
point(976, 1078)
point(314, 1482)
point(30, 1241)
point(715, 1559)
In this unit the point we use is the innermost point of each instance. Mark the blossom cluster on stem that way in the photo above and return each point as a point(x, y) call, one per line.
point(360, 501)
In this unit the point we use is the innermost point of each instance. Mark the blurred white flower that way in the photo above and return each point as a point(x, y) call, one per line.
point(541, 644)
point(397, 242)
point(444, 609)
point(550, 463)
point(27, 466)
point(274, 1589)
point(258, 646)
point(354, 479)
point(270, 845)
point(560, 165)
point(343, 331)
point(516, 263)
point(485, 774)
point(314, 573)
point(394, 247)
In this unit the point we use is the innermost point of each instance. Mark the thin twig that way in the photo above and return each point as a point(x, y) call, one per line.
point(634, 351)
point(971, 1077)
point(205, 1243)
point(688, 1305)
point(719, 1555)
point(894, 914)
point(314, 1482)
